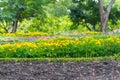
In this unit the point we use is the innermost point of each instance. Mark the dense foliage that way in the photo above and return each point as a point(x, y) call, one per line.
point(14, 11)
point(87, 12)
point(54, 15)
point(54, 28)
point(96, 46)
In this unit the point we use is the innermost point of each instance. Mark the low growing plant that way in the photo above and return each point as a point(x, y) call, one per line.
point(63, 48)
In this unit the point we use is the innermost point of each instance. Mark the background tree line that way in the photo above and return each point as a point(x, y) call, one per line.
point(59, 15)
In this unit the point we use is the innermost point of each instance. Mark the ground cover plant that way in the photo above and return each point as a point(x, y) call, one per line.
point(18, 34)
point(87, 46)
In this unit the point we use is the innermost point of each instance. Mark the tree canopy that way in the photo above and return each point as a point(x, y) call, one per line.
point(16, 10)
point(88, 11)
point(42, 13)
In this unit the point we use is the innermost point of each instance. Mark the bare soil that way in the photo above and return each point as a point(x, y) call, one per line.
point(35, 70)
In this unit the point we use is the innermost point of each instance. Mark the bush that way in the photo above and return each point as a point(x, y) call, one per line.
point(51, 24)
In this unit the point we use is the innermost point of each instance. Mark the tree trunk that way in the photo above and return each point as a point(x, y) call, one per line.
point(104, 19)
point(6, 30)
point(88, 28)
point(104, 14)
point(15, 24)
point(17, 17)
point(93, 28)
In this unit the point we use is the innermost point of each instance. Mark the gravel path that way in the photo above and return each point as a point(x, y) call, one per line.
point(107, 70)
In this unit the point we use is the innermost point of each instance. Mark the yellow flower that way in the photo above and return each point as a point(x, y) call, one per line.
point(76, 39)
point(98, 42)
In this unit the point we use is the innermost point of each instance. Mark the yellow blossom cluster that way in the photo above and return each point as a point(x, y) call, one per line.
point(113, 39)
point(91, 32)
point(54, 46)
point(58, 43)
point(15, 46)
point(26, 34)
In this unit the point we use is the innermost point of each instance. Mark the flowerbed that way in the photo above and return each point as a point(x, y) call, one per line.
point(25, 34)
point(65, 48)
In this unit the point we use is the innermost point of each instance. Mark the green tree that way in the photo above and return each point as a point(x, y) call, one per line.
point(84, 10)
point(58, 8)
point(104, 14)
point(89, 12)
point(17, 10)
point(56, 18)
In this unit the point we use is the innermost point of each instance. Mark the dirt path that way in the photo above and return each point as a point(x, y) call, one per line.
point(107, 70)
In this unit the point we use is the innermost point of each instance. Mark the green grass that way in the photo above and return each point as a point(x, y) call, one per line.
point(94, 59)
